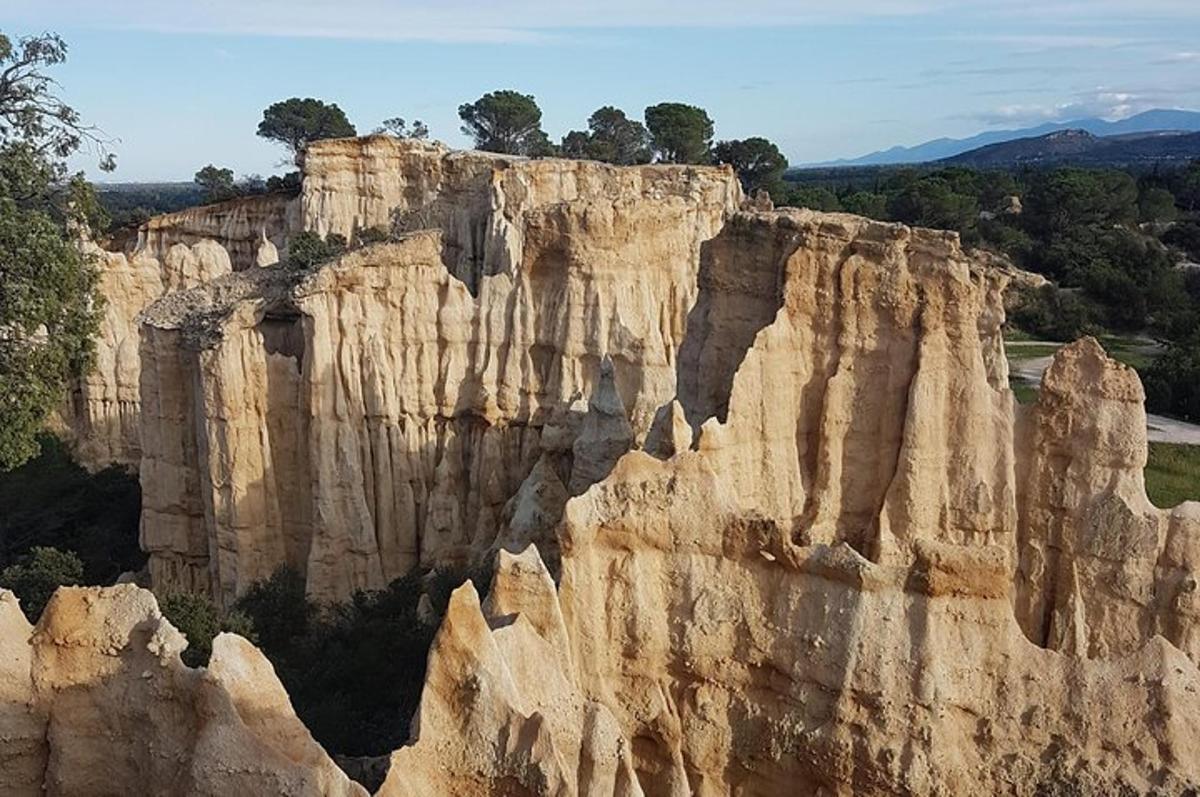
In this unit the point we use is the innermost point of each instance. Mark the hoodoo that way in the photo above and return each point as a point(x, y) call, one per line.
point(764, 515)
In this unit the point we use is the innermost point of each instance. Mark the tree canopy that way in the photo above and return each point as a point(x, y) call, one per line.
point(396, 126)
point(758, 162)
point(611, 137)
point(680, 133)
point(506, 121)
point(217, 183)
point(295, 122)
point(48, 305)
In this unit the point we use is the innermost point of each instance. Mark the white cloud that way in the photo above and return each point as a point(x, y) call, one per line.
point(1180, 58)
point(1102, 103)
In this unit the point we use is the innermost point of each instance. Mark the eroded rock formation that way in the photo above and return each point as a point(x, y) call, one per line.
point(96, 702)
point(838, 560)
point(380, 412)
point(866, 576)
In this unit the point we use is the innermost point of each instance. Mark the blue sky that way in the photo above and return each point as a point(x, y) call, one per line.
point(182, 83)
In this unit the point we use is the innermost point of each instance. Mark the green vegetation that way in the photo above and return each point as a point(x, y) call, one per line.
point(1029, 351)
point(506, 121)
point(680, 133)
point(197, 619)
point(51, 501)
point(49, 308)
point(38, 574)
point(1173, 381)
point(1108, 240)
point(354, 671)
point(216, 183)
point(396, 126)
point(759, 163)
point(1024, 392)
point(611, 137)
point(1137, 353)
point(295, 122)
point(1173, 474)
point(308, 248)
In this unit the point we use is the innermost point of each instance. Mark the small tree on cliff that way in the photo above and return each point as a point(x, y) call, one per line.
point(217, 183)
point(295, 122)
point(611, 137)
point(49, 309)
point(396, 126)
point(758, 162)
point(680, 133)
point(506, 121)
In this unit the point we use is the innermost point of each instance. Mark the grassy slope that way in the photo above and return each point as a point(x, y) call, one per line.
point(1173, 474)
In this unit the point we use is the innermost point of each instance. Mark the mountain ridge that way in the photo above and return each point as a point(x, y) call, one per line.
point(1081, 148)
point(1158, 119)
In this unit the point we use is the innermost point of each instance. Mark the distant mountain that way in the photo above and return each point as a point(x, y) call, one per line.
point(1079, 147)
point(942, 148)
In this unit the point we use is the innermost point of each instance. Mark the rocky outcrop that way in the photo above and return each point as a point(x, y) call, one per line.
point(793, 534)
point(376, 414)
point(238, 225)
point(759, 617)
point(171, 252)
point(1101, 570)
point(95, 701)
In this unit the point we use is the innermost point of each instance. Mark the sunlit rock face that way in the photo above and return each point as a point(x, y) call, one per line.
point(791, 533)
point(171, 252)
point(96, 702)
point(866, 575)
point(383, 410)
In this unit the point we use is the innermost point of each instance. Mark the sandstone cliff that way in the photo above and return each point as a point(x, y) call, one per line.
point(843, 561)
point(380, 412)
point(96, 702)
point(171, 252)
point(865, 576)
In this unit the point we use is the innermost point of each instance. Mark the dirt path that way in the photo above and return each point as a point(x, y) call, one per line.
point(1158, 428)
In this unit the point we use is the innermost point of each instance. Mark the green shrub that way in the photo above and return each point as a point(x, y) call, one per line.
point(1172, 381)
point(1052, 314)
point(371, 235)
point(355, 670)
point(278, 608)
point(307, 249)
point(40, 573)
point(197, 619)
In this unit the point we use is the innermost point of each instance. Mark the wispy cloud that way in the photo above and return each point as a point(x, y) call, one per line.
point(1188, 57)
point(1103, 103)
point(1047, 41)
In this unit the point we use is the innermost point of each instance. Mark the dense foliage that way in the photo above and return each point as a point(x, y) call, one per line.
point(759, 163)
point(295, 122)
point(217, 183)
point(38, 574)
point(308, 248)
point(354, 671)
point(48, 305)
point(680, 133)
point(197, 619)
point(1173, 380)
point(1110, 241)
point(506, 121)
point(51, 501)
point(611, 137)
